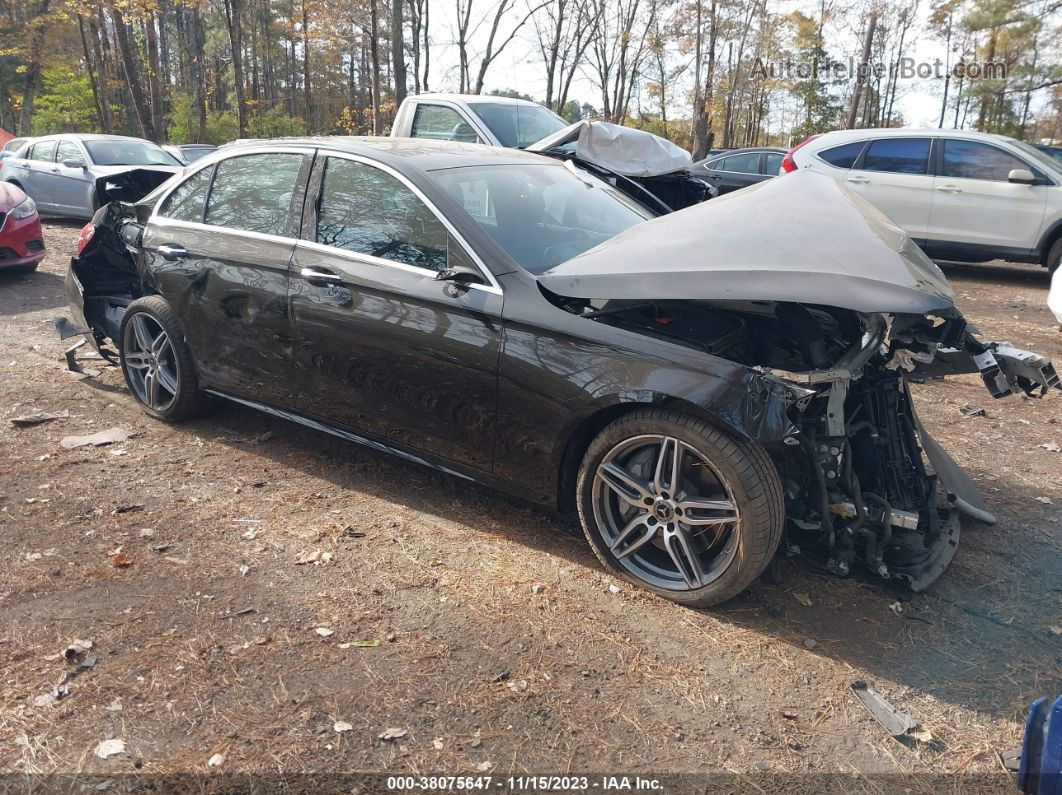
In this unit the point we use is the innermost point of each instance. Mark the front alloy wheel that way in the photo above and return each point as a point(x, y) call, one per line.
point(673, 504)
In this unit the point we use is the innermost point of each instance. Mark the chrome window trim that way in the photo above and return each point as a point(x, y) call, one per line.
point(484, 270)
point(369, 259)
point(492, 287)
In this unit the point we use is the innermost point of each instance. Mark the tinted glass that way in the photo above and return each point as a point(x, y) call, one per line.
point(366, 210)
point(843, 156)
point(67, 151)
point(14, 144)
point(772, 161)
point(43, 151)
point(748, 163)
point(518, 125)
point(253, 192)
point(193, 153)
point(186, 202)
point(973, 160)
point(442, 124)
point(898, 155)
point(540, 215)
point(120, 152)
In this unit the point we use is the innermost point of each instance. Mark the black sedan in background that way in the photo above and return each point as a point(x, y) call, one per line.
point(693, 385)
point(739, 168)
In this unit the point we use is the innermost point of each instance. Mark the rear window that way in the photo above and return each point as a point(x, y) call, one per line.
point(187, 200)
point(253, 192)
point(898, 155)
point(843, 156)
point(772, 161)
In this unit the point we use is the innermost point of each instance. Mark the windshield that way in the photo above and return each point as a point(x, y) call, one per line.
point(517, 126)
point(540, 215)
point(129, 153)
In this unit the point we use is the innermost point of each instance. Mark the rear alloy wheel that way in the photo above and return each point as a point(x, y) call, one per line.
point(674, 505)
point(156, 361)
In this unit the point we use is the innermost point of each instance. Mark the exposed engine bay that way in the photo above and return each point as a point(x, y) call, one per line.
point(864, 482)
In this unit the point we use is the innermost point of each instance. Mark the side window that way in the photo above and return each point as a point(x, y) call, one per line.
point(772, 161)
point(442, 124)
point(898, 155)
point(366, 210)
point(843, 156)
point(67, 150)
point(253, 192)
point(973, 160)
point(188, 199)
point(748, 163)
point(45, 150)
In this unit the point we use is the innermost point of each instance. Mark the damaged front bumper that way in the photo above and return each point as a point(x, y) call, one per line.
point(867, 483)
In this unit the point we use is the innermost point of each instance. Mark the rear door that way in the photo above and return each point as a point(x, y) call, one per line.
point(33, 173)
point(381, 346)
point(893, 174)
point(220, 246)
point(975, 204)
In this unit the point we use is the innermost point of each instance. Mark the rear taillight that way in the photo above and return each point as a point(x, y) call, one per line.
point(87, 231)
point(788, 164)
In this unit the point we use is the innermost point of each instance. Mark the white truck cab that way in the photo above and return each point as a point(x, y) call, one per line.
point(475, 118)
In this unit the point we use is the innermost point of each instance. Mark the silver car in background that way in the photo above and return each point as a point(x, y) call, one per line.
point(69, 175)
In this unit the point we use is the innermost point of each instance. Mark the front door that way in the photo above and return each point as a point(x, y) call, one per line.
point(975, 204)
point(225, 268)
point(381, 346)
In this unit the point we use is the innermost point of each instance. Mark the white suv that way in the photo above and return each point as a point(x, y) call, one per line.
point(963, 196)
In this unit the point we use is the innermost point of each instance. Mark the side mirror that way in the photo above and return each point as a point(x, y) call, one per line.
point(1021, 176)
point(74, 162)
point(462, 276)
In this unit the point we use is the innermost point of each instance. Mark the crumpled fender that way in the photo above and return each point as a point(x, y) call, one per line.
point(961, 491)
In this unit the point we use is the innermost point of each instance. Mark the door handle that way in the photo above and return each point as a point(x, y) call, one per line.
point(55, 171)
point(949, 188)
point(172, 252)
point(320, 277)
point(858, 180)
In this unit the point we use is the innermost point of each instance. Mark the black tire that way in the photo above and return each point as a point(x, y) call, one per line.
point(187, 399)
point(1054, 256)
point(742, 470)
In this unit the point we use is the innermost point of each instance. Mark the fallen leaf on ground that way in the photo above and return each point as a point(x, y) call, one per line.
point(314, 556)
point(122, 561)
point(109, 748)
point(803, 598)
point(1054, 447)
point(1055, 629)
point(114, 706)
point(438, 744)
point(1045, 500)
point(324, 632)
point(341, 726)
point(392, 734)
point(109, 436)
point(217, 760)
point(517, 685)
point(485, 767)
point(129, 508)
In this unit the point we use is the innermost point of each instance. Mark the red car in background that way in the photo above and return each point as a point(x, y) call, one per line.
point(21, 239)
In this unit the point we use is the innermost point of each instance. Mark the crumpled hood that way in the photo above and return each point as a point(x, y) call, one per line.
point(801, 237)
point(621, 150)
point(122, 183)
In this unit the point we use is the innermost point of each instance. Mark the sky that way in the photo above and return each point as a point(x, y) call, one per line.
point(519, 67)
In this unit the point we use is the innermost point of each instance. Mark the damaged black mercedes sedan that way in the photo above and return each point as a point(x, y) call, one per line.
point(706, 388)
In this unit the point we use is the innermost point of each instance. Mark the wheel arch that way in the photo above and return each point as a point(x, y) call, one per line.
point(594, 419)
point(1050, 237)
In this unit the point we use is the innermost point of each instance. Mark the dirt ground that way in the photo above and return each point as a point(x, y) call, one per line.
point(425, 614)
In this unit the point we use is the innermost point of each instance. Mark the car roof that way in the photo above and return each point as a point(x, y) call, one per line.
point(422, 154)
point(473, 99)
point(908, 132)
point(728, 152)
point(90, 137)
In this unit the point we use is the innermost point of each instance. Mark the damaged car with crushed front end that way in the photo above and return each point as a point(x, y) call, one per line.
point(704, 389)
